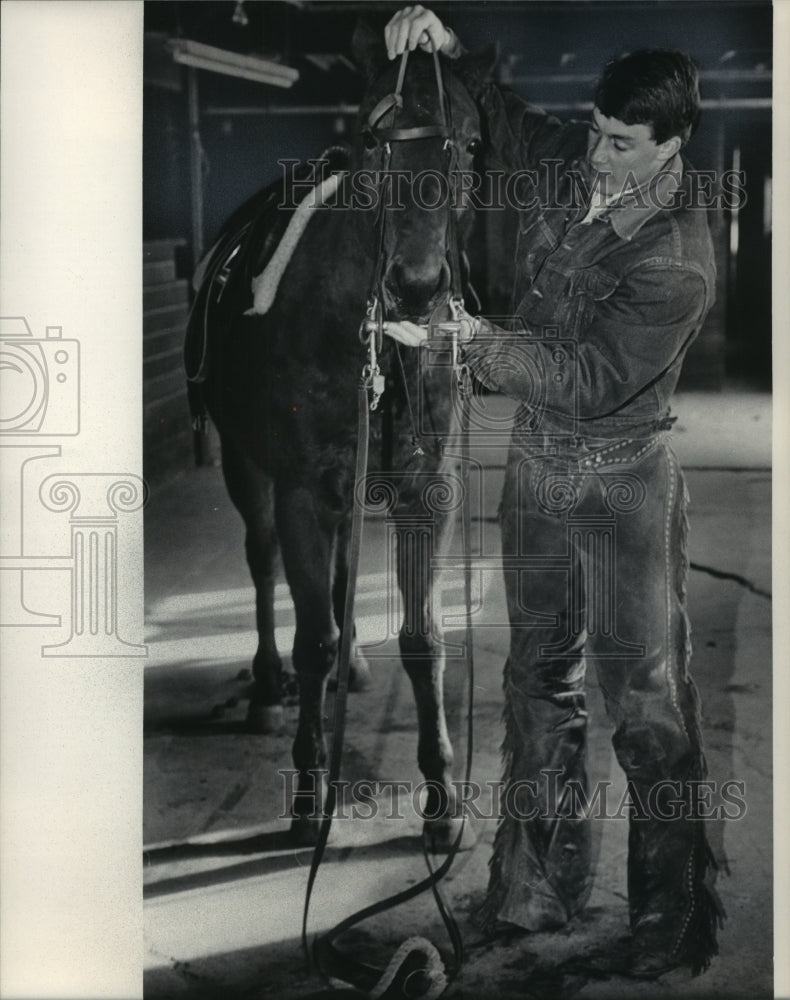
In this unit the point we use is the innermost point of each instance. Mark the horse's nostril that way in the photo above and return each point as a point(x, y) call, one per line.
point(419, 282)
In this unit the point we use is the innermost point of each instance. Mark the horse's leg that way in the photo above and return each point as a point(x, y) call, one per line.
point(251, 491)
point(423, 659)
point(307, 536)
point(359, 670)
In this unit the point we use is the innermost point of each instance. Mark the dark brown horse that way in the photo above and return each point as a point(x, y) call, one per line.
point(282, 389)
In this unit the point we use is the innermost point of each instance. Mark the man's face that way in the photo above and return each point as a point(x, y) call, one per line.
point(622, 154)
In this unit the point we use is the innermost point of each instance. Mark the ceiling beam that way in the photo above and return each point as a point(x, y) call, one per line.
point(209, 57)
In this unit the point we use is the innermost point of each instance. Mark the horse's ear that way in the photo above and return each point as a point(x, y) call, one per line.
point(475, 69)
point(368, 49)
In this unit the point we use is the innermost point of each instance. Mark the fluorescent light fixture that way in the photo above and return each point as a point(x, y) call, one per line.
point(208, 57)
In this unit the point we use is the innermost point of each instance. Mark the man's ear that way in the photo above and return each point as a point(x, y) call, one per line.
point(368, 49)
point(475, 69)
point(667, 150)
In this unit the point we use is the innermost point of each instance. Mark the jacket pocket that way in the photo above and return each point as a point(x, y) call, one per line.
point(586, 290)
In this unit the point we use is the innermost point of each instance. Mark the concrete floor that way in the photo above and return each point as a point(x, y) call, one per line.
point(223, 889)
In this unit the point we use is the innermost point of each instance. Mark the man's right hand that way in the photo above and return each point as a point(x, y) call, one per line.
point(415, 27)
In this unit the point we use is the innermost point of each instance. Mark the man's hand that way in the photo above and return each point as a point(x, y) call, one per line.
point(463, 325)
point(406, 332)
point(417, 26)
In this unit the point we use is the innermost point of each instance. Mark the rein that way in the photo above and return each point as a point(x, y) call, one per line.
point(370, 388)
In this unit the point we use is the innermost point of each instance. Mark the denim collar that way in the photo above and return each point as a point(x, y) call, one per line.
point(635, 207)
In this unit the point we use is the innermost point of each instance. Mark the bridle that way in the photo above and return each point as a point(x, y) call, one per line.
point(370, 387)
point(372, 327)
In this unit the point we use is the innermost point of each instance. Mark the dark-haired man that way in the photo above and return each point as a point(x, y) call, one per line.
point(614, 276)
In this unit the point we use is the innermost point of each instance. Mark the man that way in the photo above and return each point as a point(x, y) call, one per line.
point(614, 276)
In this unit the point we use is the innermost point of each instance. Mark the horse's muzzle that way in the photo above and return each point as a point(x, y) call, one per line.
point(413, 293)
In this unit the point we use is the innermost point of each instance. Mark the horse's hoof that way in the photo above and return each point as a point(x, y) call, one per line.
point(266, 719)
point(360, 677)
point(304, 831)
point(289, 688)
point(442, 835)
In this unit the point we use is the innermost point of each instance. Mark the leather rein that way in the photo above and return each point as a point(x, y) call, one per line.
point(370, 387)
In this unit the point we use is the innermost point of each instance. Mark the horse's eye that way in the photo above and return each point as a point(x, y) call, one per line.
point(473, 146)
point(369, 139)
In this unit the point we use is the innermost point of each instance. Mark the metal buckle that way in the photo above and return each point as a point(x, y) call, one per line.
point(372, 324)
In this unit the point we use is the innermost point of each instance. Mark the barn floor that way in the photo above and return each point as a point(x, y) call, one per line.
point(224, 890)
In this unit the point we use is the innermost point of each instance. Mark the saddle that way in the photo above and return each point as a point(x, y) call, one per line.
point(246, 244)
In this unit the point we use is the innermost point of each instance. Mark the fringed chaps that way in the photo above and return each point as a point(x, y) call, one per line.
point(601, 578)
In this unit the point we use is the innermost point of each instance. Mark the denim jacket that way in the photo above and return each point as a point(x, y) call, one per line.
point(603, 310)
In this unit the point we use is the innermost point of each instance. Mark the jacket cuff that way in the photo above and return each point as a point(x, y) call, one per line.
point(537, 371)
point(484, 354)
point(452, 48)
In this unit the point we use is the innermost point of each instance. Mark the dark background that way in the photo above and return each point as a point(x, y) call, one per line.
point(198, 168)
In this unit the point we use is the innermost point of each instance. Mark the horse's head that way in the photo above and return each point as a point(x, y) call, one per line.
point(418, 158)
